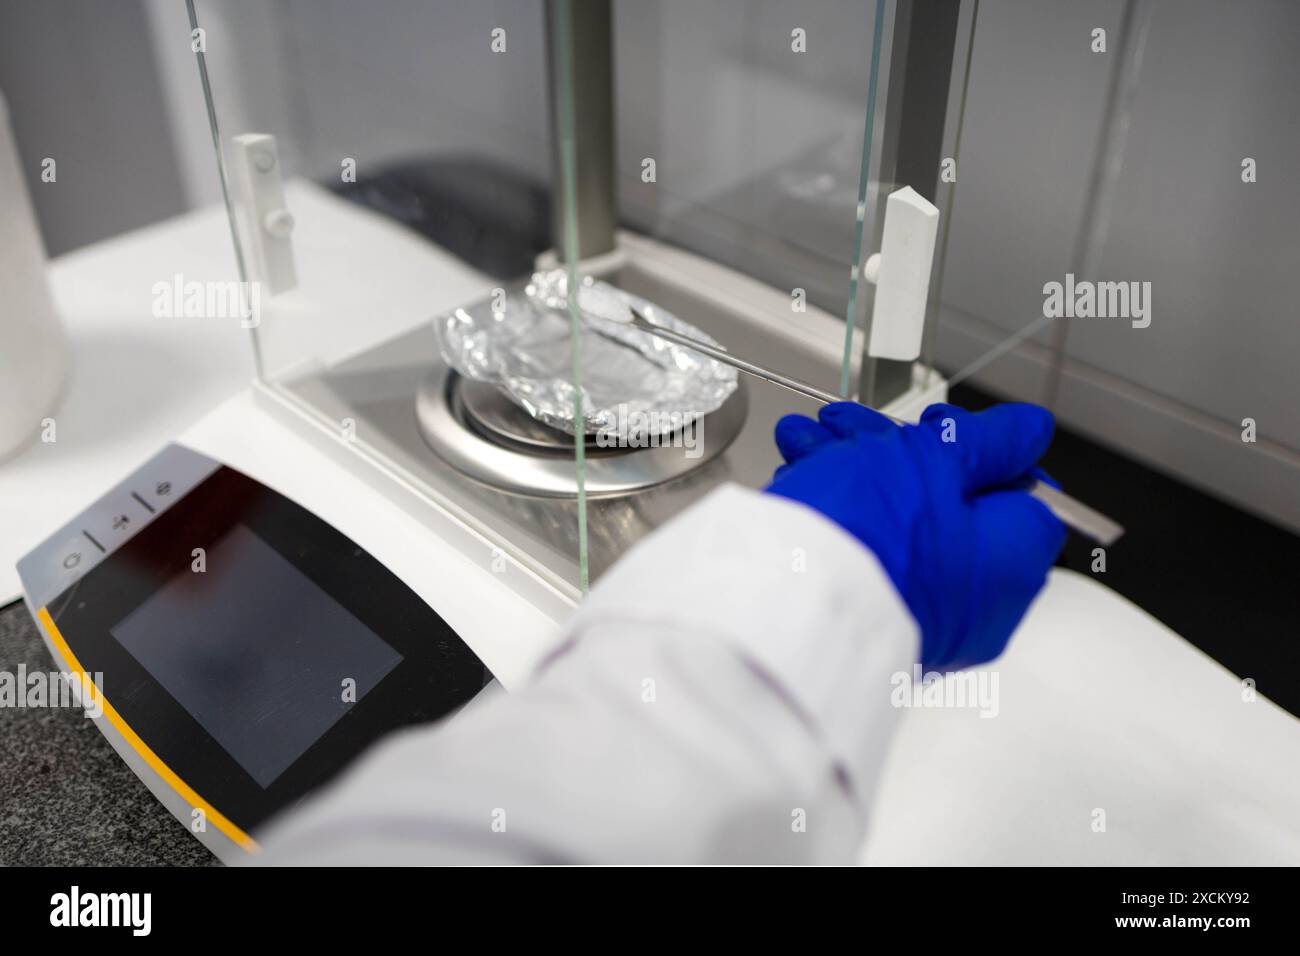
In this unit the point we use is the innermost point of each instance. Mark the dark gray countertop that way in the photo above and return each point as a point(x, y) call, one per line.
point(66, 798)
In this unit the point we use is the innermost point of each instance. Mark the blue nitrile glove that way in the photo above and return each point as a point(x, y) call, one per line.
point(940, 504)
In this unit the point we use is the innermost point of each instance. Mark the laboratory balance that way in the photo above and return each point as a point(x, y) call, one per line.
point(368, 537)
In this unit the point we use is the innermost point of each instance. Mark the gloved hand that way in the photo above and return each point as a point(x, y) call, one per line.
point(942, 505)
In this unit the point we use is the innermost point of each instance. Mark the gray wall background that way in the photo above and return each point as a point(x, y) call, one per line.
point(758, 153)
point(84, 89)
point(1218, 83)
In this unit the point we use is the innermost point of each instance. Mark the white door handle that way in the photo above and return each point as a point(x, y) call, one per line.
point(901, 275)
point(269, 224)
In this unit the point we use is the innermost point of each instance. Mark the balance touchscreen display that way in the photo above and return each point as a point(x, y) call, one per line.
point(263, 658)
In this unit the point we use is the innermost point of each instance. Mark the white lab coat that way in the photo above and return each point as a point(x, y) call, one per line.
point(722, 696)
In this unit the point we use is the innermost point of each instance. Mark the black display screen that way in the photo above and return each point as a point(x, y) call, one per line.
point(263, 658)
point(234, 676)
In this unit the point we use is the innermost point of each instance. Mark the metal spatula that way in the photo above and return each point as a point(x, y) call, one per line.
point(1075, 514)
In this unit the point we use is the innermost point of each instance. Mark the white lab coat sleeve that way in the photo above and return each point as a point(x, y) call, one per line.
point(723, 695)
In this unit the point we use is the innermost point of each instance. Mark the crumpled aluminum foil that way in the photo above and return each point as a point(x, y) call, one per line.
point(632, 381)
